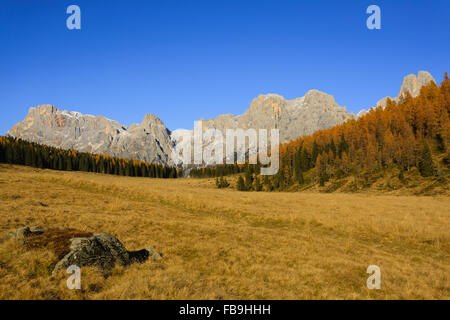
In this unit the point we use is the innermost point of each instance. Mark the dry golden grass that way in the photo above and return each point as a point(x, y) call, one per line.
point(224, 244)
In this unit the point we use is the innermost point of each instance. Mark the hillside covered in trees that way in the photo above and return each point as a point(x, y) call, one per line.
point(17, 151)
point(406, 141)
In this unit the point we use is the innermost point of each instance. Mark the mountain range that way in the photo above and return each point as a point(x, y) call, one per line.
point(151, 140)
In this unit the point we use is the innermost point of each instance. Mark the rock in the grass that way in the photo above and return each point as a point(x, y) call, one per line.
point(144, 254)
point(100, 250)
point(138, 256)
point(38, 230)
point(153, 254)
point(24, 232)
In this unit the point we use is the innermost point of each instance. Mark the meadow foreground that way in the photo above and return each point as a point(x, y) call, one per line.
point(225, 244)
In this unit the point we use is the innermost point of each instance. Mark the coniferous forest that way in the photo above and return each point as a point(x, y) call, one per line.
point(216, 171)
point(411, 134)
point(21, 152)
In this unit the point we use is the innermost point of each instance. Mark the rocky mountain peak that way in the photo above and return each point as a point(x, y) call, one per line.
point(412, 84)
point(153, 124)
point(270, 104)
point(151, 141)
point(48, 125)
point(45, 108)
point(318, 98)
point(297, 117)
point(150, 119)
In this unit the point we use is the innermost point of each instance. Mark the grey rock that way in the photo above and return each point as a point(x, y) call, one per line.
point(411, 84)
point(153, 254)
point(37, 230)
point(102, 250)
point(21, 233)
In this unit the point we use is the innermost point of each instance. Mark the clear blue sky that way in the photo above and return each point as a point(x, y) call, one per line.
point(185, 60)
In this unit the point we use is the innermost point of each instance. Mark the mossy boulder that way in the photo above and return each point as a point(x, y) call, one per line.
point(80, 248)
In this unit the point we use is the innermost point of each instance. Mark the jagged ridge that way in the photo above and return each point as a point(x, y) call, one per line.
point(150, 140)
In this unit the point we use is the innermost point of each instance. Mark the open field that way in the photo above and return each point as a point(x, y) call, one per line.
point(225, 244)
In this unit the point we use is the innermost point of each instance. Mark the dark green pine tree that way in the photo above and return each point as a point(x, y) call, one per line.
point(266, 181)
point(426, 166)
point(248, 179)
point(304, 160)
point(315, 152)
point(8, 153)
point(17, 159)
point(173, 173)
point(60, 163)
point(159, 171)
point(258, 186)
point(101, 166)
point(28, 156)
point(333, 148)
point(299, 177)
point(241, 184)
point(116, 167)
point(39, 160)
point(2, 152)
point(343, 146)
point(130, 171)
point(69, 163)
point(224, 183)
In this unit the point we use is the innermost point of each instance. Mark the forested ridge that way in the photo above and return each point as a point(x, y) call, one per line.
point(411, 135)
point(21, 152)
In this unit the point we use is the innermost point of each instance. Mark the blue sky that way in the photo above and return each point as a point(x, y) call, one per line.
point(185, 60)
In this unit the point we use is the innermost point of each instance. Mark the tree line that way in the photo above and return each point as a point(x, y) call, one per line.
point(21, 152)
point(217, 171)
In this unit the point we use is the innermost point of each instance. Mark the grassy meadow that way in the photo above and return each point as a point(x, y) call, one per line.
point(225, 244)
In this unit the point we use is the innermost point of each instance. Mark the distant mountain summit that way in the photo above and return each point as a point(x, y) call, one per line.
point(297, 117)
point(411, 84)
point(151, 141)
